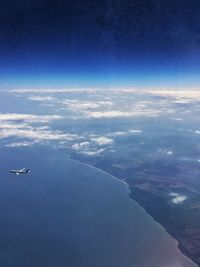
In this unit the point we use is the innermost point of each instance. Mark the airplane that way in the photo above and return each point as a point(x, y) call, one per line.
point(20, 171)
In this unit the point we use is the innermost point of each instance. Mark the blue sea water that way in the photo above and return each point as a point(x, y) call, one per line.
point(65, 213)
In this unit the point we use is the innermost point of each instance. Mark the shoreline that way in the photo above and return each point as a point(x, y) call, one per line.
point(179, 246)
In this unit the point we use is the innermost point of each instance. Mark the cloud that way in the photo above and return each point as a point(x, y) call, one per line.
point(182, 96)
point(35, 133)
point(123, 133)
point(118, 133)
point(20, 144)
point(91, 148)
point(42, 98)
point(79, 146)
point(166, 152)
point(169, 152)
point(177, 119)
point(102, 140)
point(135, 131)
point(94, 104)
point(82, 105)
point(103, 103)
point(178, 198)
point(13, 125)
point(54, 91)
point(74, 105)
point(179, 96)
point(76, 90)
point(93, 153)
point(28, 117)
point(122, 114)
point(23, 126)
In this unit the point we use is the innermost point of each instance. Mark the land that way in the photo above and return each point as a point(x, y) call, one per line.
point(169, 191)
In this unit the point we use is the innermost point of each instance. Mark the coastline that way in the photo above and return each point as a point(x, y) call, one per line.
point(179, 246)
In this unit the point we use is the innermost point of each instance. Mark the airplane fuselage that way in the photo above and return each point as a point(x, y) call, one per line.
point(21, 171)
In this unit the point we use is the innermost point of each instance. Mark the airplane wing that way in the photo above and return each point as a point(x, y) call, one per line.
point(22, 170)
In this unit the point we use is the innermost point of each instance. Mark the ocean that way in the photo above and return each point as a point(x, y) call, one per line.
point(65, 213)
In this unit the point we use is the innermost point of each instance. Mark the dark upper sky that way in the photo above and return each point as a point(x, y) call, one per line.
point(109, 36)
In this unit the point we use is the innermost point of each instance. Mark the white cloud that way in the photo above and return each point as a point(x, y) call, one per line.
point(82, 105)
point(28, 117)
point(166, 152)
point(182, 96)
point(121, 114)
point(92, 153)
point(42, 98)
point(118, 133)
point(135, 131)
point(179, 96)
point(54, 91)
point(11, 125)
point(23, 126)
point(20, 144)
point(102, 140)
point(121, 133)
point(36, 134)
point(91, 148)
point(177, 119)
point(79, 146)
point(178, 198)
point(169, 152)
point(75, 105)
point(96, 103)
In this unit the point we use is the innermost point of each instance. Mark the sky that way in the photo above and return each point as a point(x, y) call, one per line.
point(107, 43)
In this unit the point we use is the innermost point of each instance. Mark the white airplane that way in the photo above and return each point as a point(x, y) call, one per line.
point(20, 171)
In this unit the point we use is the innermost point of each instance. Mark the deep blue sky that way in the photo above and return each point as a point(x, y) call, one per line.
point(99, 43)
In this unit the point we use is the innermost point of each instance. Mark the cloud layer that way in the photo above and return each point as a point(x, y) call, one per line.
point(31, 118)
point(32, 127)
point(92, 103)
point(94, 107)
